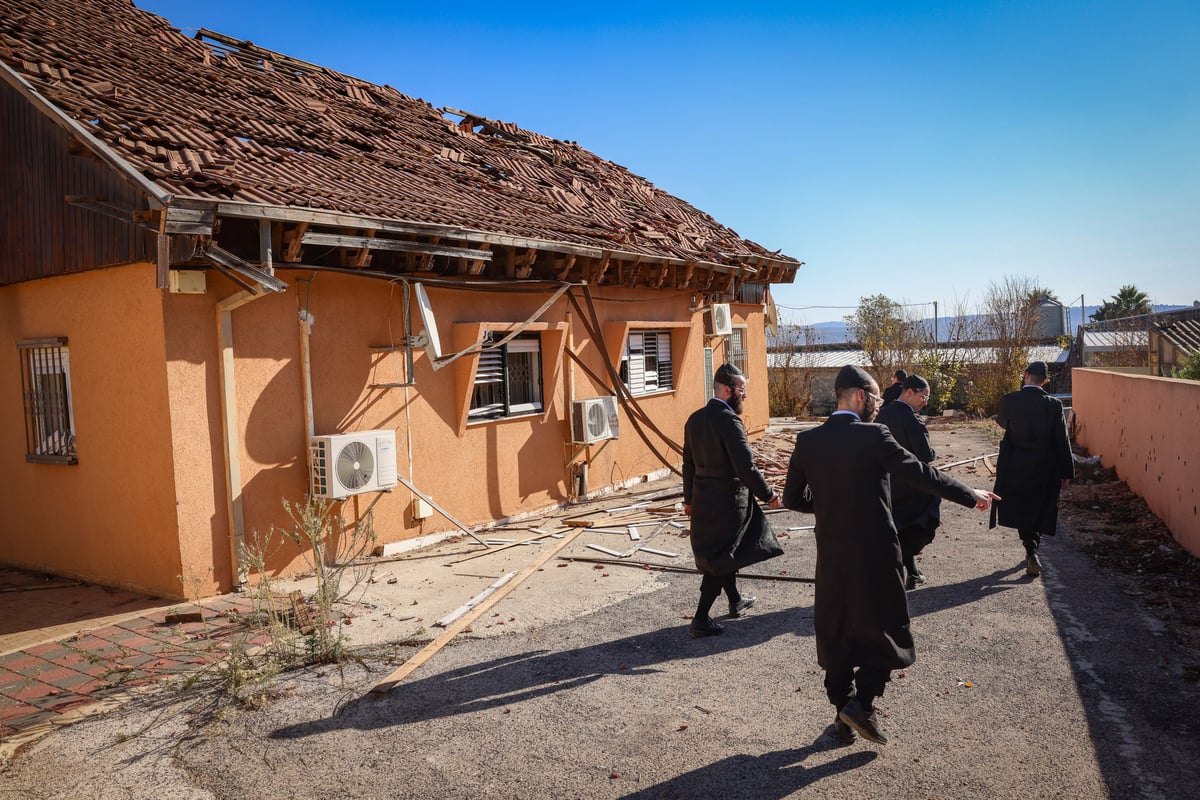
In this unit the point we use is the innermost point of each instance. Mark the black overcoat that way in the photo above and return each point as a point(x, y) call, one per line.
point(729, 529)
point(911, 507)
point(842, 472)
point(1035, 456)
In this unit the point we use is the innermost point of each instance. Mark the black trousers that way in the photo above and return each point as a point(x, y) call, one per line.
point(711, 587)
point(865, 682)
point(913, 540)
point(1031, 539)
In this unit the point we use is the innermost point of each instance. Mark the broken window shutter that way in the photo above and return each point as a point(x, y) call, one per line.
point(637, 363)
point(491, 366)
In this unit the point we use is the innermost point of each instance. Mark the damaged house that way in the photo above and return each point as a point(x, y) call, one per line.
point(229, 278)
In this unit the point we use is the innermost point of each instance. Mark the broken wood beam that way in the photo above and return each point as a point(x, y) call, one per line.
point(666, 568)
point(428, 651)
point(501, 548)
point(474, 601)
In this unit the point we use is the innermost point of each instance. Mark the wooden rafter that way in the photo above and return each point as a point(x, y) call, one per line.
point(602, 267)
point(362, 257)
point(525, 264)
point(396, 245)
point(568, 262)
point(294, 239)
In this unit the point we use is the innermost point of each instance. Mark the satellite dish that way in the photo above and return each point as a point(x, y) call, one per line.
point(433, 345)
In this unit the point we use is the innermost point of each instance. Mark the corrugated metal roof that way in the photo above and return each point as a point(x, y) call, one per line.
point(213, 118)
point(1107, 341)
point(1184, 334)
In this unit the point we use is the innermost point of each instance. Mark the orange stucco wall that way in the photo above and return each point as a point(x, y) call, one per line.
point(148, 503)
point(111, 517)
point(478, 472)
point(1146, 428)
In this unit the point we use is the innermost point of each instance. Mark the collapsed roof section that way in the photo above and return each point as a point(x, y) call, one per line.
point(347, 173)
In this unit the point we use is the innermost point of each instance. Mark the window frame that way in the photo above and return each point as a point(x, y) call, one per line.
point(661, 367)
point(495, 365)
point(735, 354)
point(49, 410)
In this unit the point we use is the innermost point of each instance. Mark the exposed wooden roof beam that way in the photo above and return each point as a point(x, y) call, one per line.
point(374, 243)
point(226, 260)
point(335, 219)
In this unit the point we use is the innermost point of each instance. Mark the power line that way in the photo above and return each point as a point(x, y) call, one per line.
point(899, 305)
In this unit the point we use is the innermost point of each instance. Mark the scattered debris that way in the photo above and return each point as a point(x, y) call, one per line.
point(301, 614)
point(603, 549)
point(662, 553)
point(474, 601)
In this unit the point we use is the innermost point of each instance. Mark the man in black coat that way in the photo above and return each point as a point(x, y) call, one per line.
point(892, 393)
point(842, 472)
point(916, 513)
point(1034, 464)
point(729, 530)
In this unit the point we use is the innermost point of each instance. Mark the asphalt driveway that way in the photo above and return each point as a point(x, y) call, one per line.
point(1058, 687)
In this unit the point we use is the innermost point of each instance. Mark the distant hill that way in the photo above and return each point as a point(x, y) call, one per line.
point(836, 332)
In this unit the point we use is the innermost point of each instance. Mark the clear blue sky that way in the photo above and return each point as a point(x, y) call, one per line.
point(914, 149)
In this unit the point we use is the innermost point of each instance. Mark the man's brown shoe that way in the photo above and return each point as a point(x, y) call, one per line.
point(1033, 565)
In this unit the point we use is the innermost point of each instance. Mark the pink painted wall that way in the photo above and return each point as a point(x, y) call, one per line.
point(1148, 429)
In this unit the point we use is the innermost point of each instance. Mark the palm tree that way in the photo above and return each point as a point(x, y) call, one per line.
point(1128, 302)
point(1040, 295)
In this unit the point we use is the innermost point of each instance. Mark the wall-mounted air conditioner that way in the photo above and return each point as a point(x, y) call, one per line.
point(721, 321)
point(346, 464)
point(594, 419)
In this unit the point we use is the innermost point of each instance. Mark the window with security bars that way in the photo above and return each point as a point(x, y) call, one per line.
point(646, 366)
point(737, 349)
point(46, 389)
point(508, 381)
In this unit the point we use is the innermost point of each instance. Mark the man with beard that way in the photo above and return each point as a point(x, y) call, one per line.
point(915, 512)
point(729, 530)
point(1034, 464)
point(842, 473)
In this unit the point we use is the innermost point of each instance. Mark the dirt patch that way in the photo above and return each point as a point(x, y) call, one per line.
point(1124, 538)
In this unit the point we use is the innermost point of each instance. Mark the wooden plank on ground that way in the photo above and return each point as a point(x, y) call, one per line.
point(501, 548)
point(646, 565)
point(462, 623)
point(300, 613)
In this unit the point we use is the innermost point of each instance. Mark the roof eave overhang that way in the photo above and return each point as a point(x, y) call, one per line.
point(748, 267)
point(157, 196)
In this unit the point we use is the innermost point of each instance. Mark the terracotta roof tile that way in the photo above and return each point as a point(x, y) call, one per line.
point(214, 118)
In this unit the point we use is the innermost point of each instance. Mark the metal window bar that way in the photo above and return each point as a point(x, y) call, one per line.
point(665, 370)
point(524, 356)
point(737, 350)
point(49, 437)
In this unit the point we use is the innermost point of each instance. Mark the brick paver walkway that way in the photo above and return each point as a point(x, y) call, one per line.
point(57, 682)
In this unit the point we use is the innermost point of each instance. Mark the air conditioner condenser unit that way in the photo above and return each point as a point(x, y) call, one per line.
point(594, 419)
point(346, 464)
point(721, 319)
